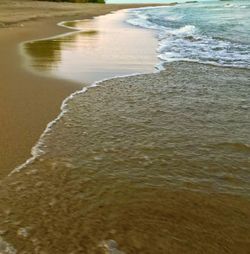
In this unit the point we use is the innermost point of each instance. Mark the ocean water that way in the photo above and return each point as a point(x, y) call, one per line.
point(214, 32)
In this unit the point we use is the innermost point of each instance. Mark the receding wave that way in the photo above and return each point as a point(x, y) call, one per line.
point(160, 135)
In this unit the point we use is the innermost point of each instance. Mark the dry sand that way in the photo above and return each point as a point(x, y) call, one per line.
point(28, 102)
point(15, 12)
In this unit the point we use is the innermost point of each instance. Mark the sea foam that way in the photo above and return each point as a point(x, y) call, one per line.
point(186, 32)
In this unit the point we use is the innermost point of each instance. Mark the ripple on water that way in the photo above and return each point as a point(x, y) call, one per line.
point(141, 164)
point(182, 125)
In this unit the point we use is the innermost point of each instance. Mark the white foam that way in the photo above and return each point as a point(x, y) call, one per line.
point(110, 247)
point(187, 43)
point(230, 5)
point(37, 150)
point(6, 248)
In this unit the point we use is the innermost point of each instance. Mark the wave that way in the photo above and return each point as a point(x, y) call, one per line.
point(38, 150)
point(181, 40)
point(235, 6)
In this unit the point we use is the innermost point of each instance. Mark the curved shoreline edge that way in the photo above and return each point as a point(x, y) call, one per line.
point(30, 101)
point(36, 152)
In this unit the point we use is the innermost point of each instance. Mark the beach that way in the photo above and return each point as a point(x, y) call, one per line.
point(149, 162)
point(25, 112)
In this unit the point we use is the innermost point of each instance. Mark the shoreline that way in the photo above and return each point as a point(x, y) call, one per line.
point(167, 136)
point(26, 112)
point(161, 66)
point(36, 152)
point(65, 179)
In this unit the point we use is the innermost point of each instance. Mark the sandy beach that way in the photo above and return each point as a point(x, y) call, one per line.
point(25, 111)
point(154, 163)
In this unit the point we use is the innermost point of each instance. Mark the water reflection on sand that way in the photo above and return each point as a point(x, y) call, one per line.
point(104, 47)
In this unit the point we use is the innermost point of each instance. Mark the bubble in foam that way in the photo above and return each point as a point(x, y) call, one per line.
point(6, 248)
point(110, 247)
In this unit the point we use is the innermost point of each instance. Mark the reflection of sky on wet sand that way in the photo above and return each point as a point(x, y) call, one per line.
point(106, 47)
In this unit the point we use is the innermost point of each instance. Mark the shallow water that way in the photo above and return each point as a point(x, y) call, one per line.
point(189, 129)
point(140, 165)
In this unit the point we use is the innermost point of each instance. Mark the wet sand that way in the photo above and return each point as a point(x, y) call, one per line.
point(28, 102)
point(90, 53)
